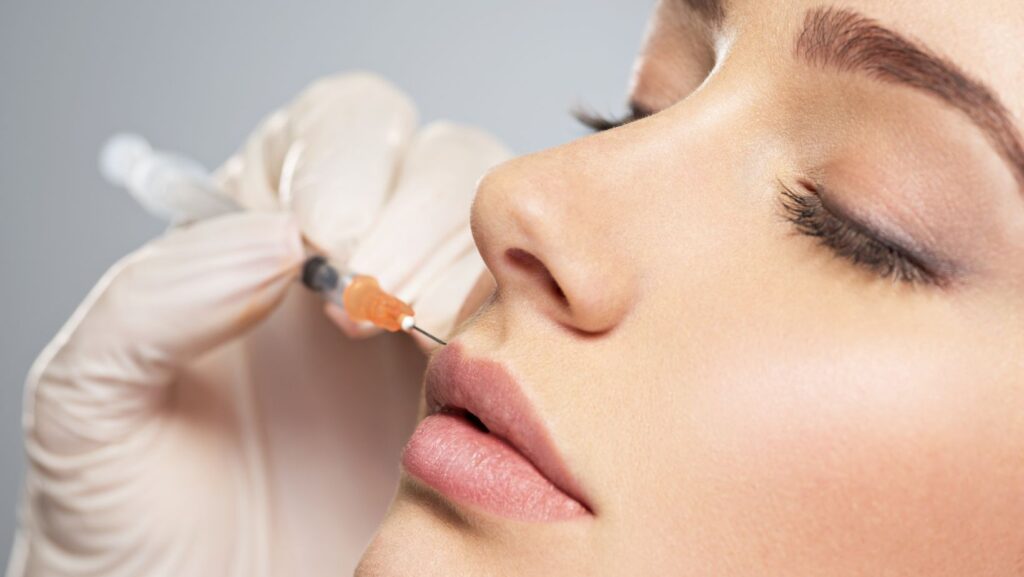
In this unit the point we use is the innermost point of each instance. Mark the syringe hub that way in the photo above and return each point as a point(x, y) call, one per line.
point(366, 301)
point(361, 297)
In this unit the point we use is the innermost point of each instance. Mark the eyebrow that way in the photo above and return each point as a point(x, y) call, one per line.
point(850, 42)
point(711, 10)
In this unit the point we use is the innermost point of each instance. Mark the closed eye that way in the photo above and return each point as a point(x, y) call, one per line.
point(599, 122)
point(854, 242)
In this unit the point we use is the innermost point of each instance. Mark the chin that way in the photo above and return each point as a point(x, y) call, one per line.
point(413, 541)
point(426, 535)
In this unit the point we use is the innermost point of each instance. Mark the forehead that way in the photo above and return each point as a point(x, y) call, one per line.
point(984, 37)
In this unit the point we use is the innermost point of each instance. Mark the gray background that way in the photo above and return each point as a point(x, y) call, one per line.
point(196, 77)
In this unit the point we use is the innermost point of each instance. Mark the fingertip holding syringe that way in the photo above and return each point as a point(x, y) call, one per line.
point(361, 297)
point(181, 190)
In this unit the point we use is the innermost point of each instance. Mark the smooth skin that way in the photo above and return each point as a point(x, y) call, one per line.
point(734, 398)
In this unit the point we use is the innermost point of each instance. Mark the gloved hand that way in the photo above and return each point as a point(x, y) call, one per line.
point(371, 192)
point(199, 415)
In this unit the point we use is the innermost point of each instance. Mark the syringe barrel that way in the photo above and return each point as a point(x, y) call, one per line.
point(167, 185)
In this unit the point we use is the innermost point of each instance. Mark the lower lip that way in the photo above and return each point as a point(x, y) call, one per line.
point(470, 466)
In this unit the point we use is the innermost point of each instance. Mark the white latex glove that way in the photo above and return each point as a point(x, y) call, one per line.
point(394, 205)
point(137, 449)
point(170, 434)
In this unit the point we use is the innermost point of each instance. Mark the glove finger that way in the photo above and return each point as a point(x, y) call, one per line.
point(451, 260)
point(177, 297)
point(441, 300)
point(352, 329)
point(425, 226)
point(348, 136)
point(251, 177)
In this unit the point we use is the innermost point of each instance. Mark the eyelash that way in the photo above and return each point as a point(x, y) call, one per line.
point(851, 241)
point(599, 123)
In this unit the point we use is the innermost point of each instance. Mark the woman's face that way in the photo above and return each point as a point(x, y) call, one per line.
point(775, 328)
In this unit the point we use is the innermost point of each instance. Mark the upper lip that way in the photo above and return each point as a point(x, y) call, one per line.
point(486, 389)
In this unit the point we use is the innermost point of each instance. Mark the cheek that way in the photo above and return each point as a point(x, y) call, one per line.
point(843, 440)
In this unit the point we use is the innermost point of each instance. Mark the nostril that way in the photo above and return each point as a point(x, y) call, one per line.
point(533, 265)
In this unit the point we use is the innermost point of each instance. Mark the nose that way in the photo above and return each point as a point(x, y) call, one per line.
point(546, 231)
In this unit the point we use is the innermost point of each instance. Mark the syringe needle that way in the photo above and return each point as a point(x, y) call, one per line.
point(429, 336)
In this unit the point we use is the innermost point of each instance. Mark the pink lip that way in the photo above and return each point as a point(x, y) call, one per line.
point(512, 469)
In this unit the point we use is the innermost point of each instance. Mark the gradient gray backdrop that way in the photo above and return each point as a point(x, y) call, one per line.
point(197, 76)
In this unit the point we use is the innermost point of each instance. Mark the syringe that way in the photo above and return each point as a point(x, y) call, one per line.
point(175, 187)
point(361, 297)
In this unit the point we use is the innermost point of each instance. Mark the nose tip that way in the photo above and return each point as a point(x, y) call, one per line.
point(540, 249)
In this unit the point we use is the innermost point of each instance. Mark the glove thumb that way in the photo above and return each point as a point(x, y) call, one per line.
point(161, 306)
